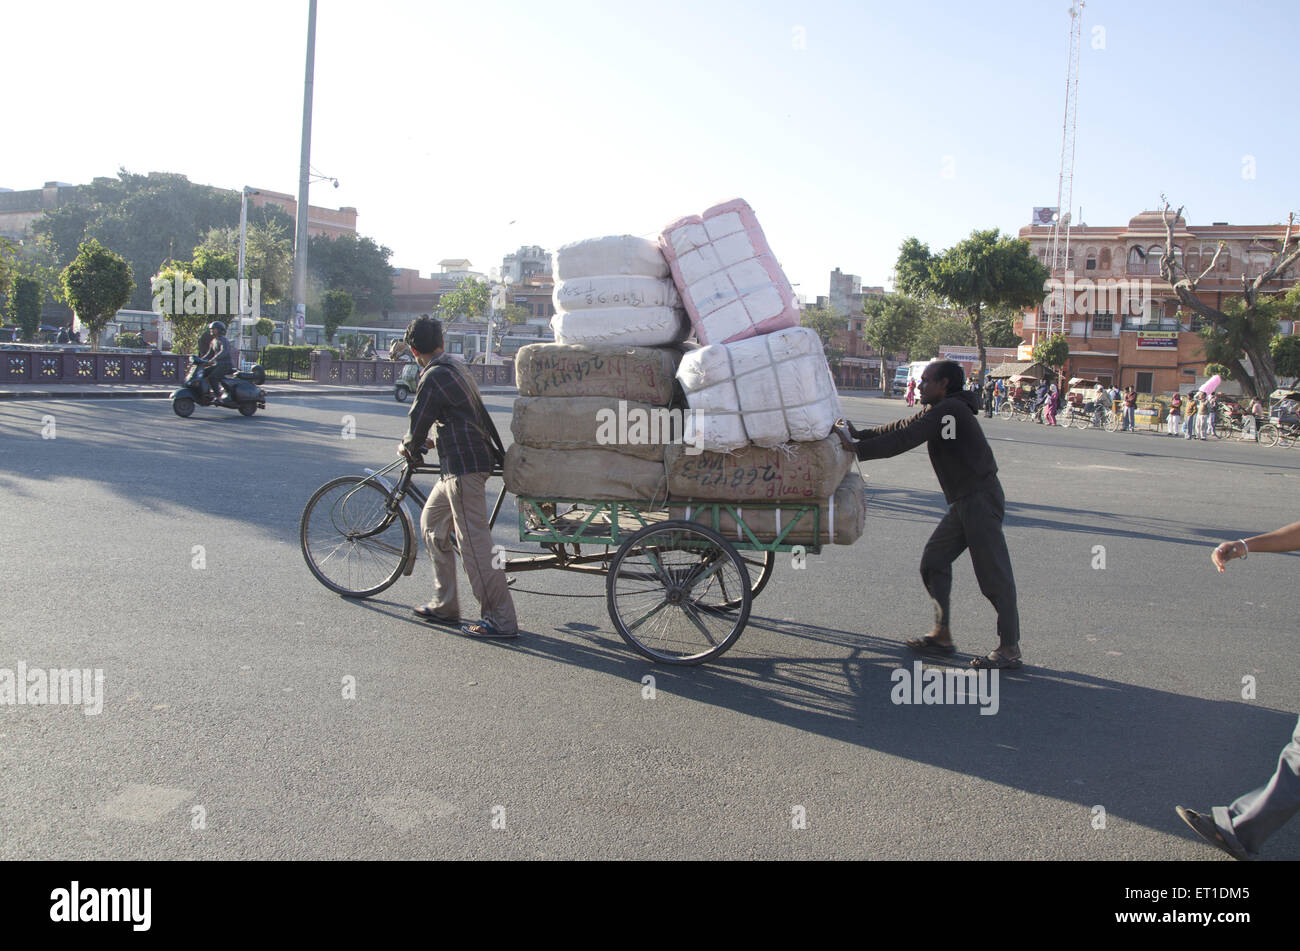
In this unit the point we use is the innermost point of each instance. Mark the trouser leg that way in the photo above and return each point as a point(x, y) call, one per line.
point(1258, 814)
point(436, 528)
point(984, 514)
point(469, 513)
point(946, 543)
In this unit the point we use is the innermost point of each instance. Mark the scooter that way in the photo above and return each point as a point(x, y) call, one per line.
point(245, 387)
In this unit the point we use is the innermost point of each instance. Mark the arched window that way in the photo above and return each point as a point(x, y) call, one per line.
point(1090, 260)
point(1225, 261)
point(1153, 258)
point(1104, 261)
point(1135, 260)
point(1193, 261)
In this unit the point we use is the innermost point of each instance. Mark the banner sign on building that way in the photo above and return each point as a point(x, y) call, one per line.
point(1024, 352)
point(1043, 217)
point(1157, 340)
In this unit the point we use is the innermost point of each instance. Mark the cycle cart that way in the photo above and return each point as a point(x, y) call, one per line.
point(677, 591)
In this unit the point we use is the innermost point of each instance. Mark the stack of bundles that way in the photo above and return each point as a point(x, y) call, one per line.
point(615, 291)
point(570, 421)
point(761, 395)
point(802, 473)
point(766, 390)
point(726, 273)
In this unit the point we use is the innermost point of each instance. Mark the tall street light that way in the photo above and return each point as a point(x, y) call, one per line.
point(243, 241)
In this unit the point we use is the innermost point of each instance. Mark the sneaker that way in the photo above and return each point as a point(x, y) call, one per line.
point(1207, 829)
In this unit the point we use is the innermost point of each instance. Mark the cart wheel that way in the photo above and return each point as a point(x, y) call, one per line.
point(1112, 422)
point(668, 590)
point(352, 543)
point(759, 564)
point(1269, 434)
point(1007, 411)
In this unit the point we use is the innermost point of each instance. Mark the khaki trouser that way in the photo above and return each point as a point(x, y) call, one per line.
point(458, 503)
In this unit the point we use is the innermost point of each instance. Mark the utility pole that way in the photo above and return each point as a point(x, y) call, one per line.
point(299, 317)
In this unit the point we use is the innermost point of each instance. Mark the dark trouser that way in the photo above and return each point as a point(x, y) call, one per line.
point(974, 522)
point(214, 376)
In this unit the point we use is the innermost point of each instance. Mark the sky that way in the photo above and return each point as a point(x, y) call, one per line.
point(464, 130)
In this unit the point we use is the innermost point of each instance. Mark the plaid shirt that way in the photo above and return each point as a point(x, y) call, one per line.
point(448, 397)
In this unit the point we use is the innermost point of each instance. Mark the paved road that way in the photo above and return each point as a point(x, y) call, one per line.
point(225, 734)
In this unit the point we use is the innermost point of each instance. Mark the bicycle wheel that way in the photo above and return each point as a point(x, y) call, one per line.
point(1007, 411)
point(1270, 434)
point(352, 542)
point(667, 591)
point(1112, 422)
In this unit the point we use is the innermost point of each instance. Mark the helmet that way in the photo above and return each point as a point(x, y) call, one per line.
point(218, 328)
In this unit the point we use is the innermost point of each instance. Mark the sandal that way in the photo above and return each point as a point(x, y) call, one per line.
point(425, 613)
point(928, 645)
point(996, 661)
point(485, 630)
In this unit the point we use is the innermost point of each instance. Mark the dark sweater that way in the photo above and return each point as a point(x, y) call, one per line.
point(961, 462)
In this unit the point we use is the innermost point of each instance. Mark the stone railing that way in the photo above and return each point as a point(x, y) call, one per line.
point(325, 368)
point(72, 365)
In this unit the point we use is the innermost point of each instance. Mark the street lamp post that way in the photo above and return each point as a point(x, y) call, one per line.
point(243, 241)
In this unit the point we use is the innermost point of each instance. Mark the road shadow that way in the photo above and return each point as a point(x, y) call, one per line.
point(1137, 751)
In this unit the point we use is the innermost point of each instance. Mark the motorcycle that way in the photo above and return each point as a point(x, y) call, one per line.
point(244, 390)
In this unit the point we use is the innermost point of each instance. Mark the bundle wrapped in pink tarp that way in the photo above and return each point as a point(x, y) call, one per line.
point(729, 280)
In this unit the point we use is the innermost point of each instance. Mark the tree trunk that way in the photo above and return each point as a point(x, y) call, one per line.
point(886, 384)
point(977, 325)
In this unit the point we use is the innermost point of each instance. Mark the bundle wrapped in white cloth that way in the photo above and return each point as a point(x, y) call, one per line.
point(615, 254)
point(766, 390)
point(621, 327)
point(615, 291)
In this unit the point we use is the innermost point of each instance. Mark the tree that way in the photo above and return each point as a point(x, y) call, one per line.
point(338, 311)
point(1000, 329)
point(468, 301)
point(187, 310)
point(892, 323)
point(515, 314)
point(1246, 324)
point(1224, 371)
point(824, 322)
point(987, 270)
point(355, 264)
point(98, 283)
point(1052, 353)
point(148, 219)
point(1285, 350)
point(268, 256)
point(25, 298)
point(264, 327)
point(939, 329)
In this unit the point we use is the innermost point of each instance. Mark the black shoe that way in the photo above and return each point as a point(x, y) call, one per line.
point(1208, 829)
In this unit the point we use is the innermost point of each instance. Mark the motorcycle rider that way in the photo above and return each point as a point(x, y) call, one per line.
point(222, 366)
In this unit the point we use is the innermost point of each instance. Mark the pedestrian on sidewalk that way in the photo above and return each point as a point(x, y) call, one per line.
point(1130, 409)
point(1175, 412)
point(1241, 828)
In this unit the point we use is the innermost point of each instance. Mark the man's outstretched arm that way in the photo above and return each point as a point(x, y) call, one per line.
point(1280, 539)
point(897, 437)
